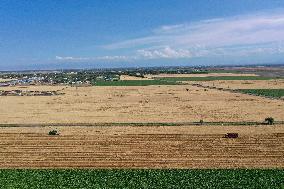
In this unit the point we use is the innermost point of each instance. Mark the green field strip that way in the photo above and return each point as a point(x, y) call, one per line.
point(275, 93)
point(134, 83)
point(71, 179)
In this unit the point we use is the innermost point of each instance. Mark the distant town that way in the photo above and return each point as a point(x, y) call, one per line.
point(92, 77)
point(83, 77)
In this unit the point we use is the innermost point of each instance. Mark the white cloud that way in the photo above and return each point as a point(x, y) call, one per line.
point(70, 58)
point(88, 59)
point(166, 52)
point(246, 35)
point(257, 33)
point(113, 58)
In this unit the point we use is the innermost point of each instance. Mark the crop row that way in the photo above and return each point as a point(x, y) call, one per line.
point(140, 150)
point(71, 179)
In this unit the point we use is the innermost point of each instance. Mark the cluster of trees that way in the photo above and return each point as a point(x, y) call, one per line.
point(269, 120)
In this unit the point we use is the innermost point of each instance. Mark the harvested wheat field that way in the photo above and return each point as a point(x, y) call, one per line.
point(142, 147)
point(199, 75)
point(127, 77)
point(239, 84)
point(5, 80)
point(181, 103)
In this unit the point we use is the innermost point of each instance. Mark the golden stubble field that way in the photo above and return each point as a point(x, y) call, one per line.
point(127, 77)
point(5, 80)
point(198, 75)
point(142, 147)
point(139, 147)
point(135, 104)
point(239, 84)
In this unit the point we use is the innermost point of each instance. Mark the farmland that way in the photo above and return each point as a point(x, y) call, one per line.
point(215, 78)
point(107, 94)
point(240, 84)
point(198, 74)
point(5, 80)
point(136, 82)
point(127, 77)
point(142, 147)
point(143, 123)
point(278, 93)
point(69, 179)
point(135, 104)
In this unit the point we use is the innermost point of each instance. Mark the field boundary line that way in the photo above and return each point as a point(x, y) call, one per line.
point(142, 124)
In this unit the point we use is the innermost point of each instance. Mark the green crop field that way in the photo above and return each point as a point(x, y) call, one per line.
point(276, 93)
point(214, 78)
point(71, 179)
point(134, 83)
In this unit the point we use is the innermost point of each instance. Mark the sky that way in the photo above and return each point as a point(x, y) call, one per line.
point(58, 34)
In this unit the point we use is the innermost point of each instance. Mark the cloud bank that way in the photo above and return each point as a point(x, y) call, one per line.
point(106, 58)
point(246, 35)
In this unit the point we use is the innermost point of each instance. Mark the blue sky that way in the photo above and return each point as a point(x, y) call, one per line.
point(47, 34)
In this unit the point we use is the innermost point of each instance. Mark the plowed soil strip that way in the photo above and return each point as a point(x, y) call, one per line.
point(136, 148)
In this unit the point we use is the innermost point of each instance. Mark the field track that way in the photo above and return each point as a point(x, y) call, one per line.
point(151, 147)
point(140, 124)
